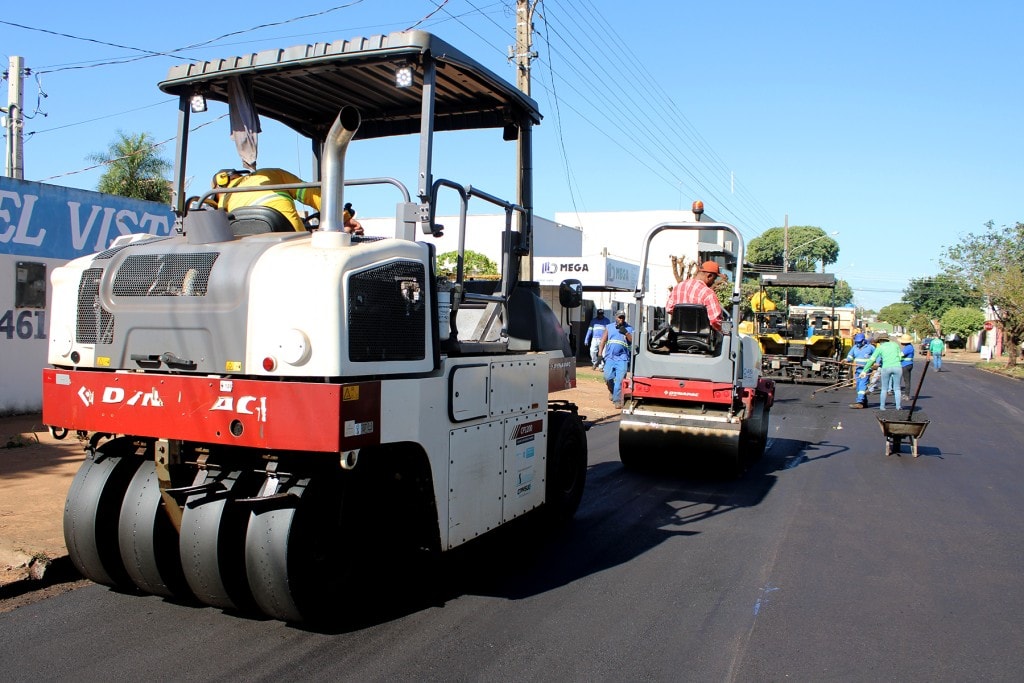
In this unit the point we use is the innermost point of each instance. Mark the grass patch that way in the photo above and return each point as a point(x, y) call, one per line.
point(1000, 368)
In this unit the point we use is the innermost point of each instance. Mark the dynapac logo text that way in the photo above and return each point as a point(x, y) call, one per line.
point(243, 405)
point(117, 395)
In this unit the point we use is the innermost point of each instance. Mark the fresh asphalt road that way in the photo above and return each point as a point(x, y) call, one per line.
point(829, 561)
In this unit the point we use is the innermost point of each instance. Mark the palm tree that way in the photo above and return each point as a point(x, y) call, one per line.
point(134, 169)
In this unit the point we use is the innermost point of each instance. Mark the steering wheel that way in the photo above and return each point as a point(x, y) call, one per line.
point(312, 221)
point(660, 337)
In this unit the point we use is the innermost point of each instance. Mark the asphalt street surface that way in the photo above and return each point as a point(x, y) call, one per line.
point(828, 561)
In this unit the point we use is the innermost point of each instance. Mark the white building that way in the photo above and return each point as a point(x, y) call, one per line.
point(483, 235)
point(43, 227)
point(619, 236)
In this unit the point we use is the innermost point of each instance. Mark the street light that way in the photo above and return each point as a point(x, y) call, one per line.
point(785, 257)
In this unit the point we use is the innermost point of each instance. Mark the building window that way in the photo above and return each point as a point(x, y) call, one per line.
point(30, 285)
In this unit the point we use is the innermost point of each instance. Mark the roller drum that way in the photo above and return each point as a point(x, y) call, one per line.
point(668, 435)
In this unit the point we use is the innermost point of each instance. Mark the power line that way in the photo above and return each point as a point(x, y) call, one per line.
point(146, 53)
point(139, 151)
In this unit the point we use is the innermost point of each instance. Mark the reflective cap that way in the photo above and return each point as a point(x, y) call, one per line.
point(858, 338)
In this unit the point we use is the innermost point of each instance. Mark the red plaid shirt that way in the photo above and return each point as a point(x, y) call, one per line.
point(694, 291)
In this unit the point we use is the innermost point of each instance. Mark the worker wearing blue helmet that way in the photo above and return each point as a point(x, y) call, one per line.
point(858, 356)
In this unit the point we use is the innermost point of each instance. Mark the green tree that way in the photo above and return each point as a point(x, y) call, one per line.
point(820, 296)
point(962, 320)
point(933, 296)
point(474, 264)
point(920, 324)
point(896, 314)
point(134, 169)
point(808, 246)
point(993, 262)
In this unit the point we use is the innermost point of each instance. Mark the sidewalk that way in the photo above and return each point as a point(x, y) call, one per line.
point(36, 472)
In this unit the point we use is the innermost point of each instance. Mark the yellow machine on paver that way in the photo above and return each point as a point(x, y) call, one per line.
point(805, 344)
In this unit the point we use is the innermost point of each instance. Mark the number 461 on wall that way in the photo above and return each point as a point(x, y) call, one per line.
point(26, 325)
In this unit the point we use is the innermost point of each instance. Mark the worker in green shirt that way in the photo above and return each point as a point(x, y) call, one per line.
point(890, 356)
point(935, 349)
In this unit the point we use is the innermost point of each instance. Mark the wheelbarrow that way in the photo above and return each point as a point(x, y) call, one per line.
point(898, 425)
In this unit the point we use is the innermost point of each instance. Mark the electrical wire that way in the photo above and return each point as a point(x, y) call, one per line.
point(152, 147)
point(686, 160)
point(146, 53)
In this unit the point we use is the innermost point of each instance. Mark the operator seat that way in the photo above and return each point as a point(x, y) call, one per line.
point(693, 331)
point(253, 220)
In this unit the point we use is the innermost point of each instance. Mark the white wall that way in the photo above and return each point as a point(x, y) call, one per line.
point(615, 234)
point(22, 346)
point(620, 234)
point(49, 224)
point(483, 235)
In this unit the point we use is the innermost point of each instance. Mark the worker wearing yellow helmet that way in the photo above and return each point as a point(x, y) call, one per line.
point(282, 201)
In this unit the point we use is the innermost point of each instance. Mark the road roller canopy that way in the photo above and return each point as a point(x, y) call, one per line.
point(385, 77)
point(798, 280)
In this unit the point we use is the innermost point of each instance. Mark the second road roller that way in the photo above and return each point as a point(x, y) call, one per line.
point(694, 392)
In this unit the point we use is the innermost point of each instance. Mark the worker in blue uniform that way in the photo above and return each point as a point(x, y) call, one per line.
point(593, 338)
point(858, 356)
point(615, 349)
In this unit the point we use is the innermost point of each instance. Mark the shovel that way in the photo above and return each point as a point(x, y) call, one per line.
point(913, 403)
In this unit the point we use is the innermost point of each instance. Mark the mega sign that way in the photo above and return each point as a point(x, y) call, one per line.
point(552, 267)
point(47, 221)
point(594, 271)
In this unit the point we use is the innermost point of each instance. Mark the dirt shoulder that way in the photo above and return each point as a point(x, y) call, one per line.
point(35, 473)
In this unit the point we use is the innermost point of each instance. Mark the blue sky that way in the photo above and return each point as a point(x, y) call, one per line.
point(896, 124)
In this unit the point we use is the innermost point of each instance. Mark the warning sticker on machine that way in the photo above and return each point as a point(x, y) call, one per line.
point(353, 428)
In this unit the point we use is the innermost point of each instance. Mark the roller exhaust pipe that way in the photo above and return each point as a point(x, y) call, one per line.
point(332, 169)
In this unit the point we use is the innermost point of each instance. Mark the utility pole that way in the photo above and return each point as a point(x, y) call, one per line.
point(785, 246)
point(15, 163)
point(523, 54)
point(785, 255)
point(524, 43)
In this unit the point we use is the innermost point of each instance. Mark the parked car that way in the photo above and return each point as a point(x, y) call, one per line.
point(955, 341)
point(925, 343)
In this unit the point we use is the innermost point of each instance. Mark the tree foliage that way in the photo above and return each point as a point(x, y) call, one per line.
point(896, 314)
point(811, 296)
point(921, 324)
point(134, 169)
point(993, 262)
point(962, 320)
point(474, 264)
point(808, 246)
point(933, 296)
